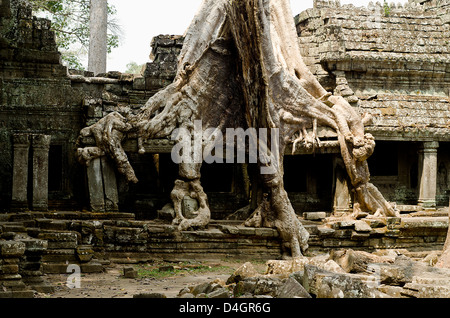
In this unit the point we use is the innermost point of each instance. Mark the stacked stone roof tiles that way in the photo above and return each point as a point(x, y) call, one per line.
point(392, 61)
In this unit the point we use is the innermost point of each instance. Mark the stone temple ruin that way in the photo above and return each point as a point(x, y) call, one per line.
point(388, 61)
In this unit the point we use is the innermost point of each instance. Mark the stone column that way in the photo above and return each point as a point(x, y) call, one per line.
point(342, 196)
point(21, 144)
point(110, 186)
point(95, 186)
point(41, 147)
point(428, 175)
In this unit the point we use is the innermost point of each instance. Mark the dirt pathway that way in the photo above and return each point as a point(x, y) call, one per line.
point(112, 284)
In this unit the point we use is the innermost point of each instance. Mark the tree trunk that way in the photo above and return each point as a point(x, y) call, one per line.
point(98, 46)
point(241, 67)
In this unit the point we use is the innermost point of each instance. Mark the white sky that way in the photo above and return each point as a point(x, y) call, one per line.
point(141, 20)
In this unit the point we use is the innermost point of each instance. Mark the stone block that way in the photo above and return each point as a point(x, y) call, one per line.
point(62, 245)
point(139, 84)
point(325, 231)
point(345, 286)
point(292, 289)
point(130, 272)
point(84, 253)
point(12, 249)
point(314, 216)
point(189, 207)
point(425, 291)
point(243, 230)
point(92, 267)
point(219, 293)
point(34, 246)
point(9, 269)
point(245, 271)
point(362, 226)
point(59, 236)
point(17, 294)
point(166, 213)
point(54, 268)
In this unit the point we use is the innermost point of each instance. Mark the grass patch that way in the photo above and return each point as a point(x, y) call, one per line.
point(163, 270)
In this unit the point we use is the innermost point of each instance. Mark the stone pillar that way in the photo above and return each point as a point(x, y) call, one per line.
point(428, 175)
point(342, 195)
point(102, 185)
point(21, 144)
point(95, 186)
point(41, 147)
point(110, 186)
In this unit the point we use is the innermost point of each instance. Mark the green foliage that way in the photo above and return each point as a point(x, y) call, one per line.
point(70, 21)
point(182, 269)
point(387, 9)
point(133, 68)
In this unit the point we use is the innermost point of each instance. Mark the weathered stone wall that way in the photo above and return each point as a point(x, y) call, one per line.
point(36, 97)
point(391, 61)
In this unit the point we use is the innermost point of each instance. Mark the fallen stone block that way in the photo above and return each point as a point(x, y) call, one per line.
point(219, 293)
point(356, 261)
point(361, 226)
point(245, 271)
point(262, 285)
point(130, 272)
point(426, 291)
point(292, 289)
point(346, 286)
point(315, 216)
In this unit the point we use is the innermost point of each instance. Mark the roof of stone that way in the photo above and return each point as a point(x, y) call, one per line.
point(391, 61)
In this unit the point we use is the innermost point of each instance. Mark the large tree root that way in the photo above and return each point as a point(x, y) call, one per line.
point(241, 67)
point(194, 190)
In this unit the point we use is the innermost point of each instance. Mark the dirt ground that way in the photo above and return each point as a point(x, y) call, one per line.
point(112, 283)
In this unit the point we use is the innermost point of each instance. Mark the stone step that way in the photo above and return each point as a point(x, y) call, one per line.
point(62, 268)
point(17, 294)
point(16, 227)
point(77, 215)
point(426, 291)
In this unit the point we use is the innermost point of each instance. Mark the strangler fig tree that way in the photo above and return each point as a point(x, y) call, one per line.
point(241, 67)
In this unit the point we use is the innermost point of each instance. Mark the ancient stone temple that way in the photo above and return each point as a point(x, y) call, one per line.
point(389, 61)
